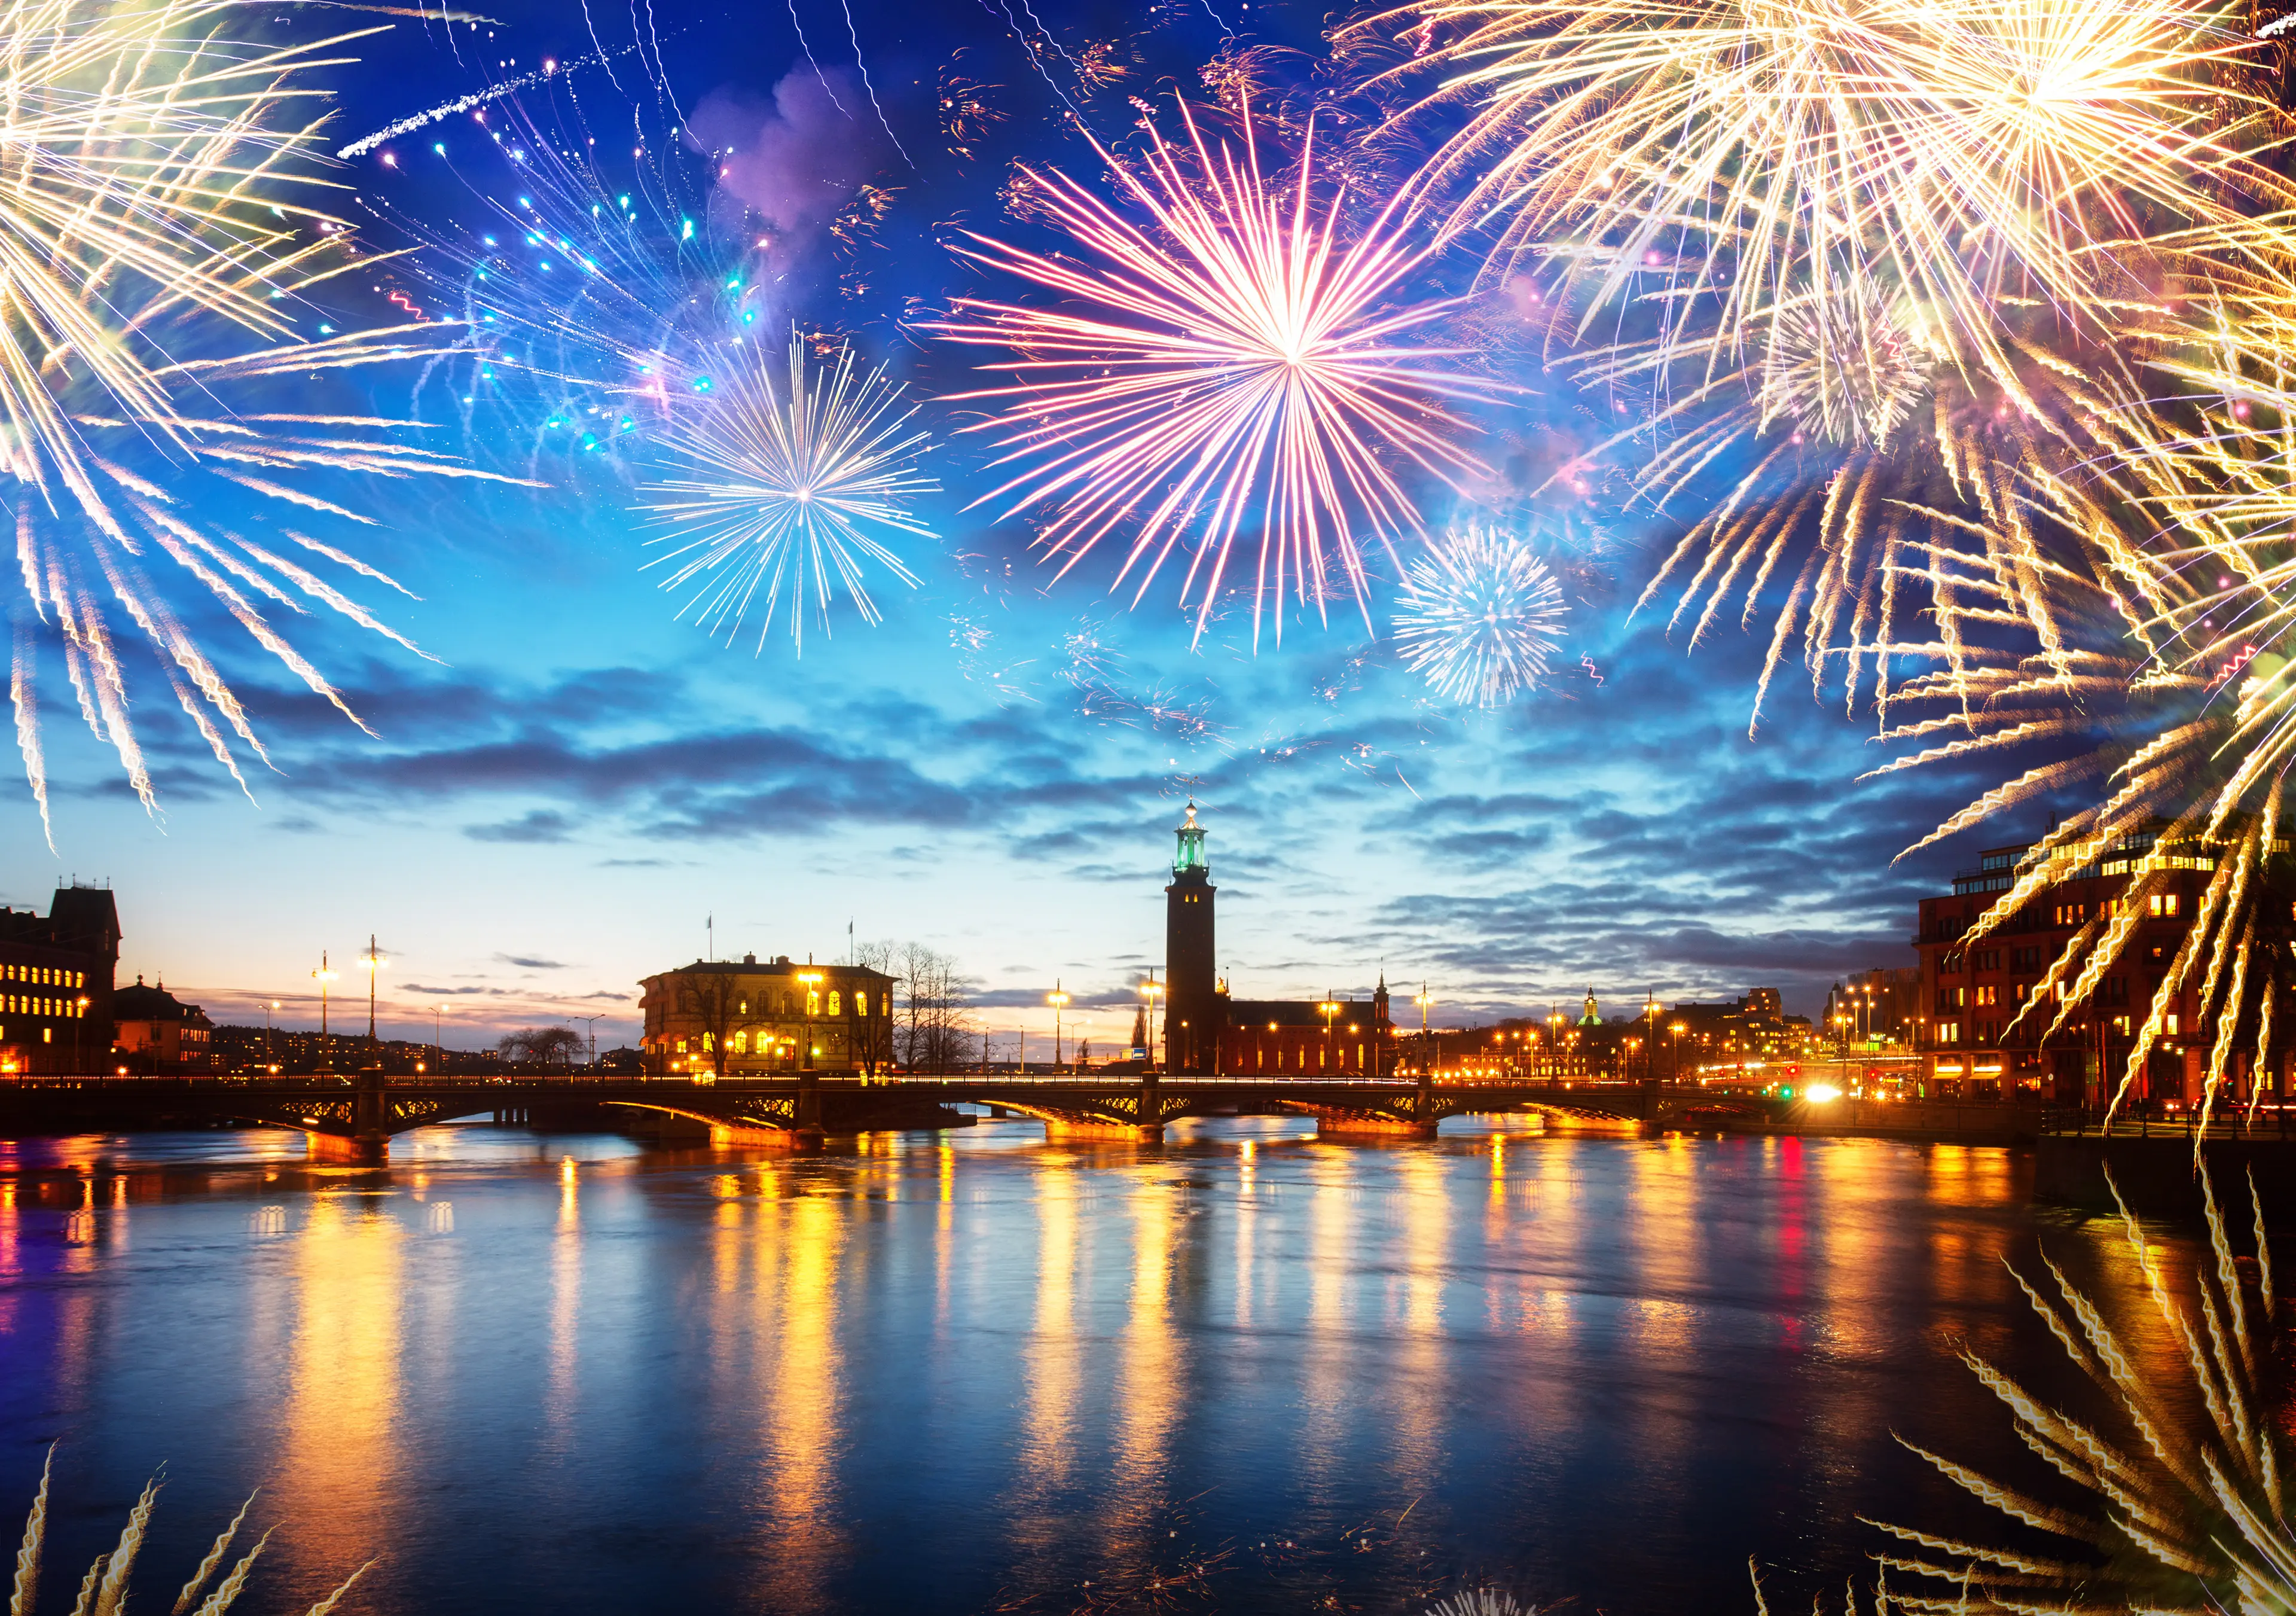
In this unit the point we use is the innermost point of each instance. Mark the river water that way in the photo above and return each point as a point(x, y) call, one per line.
point(979, 1372)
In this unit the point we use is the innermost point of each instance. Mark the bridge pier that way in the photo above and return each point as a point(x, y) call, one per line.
point(1085, 1129)
point(1329, 1124)
point(338, 1150)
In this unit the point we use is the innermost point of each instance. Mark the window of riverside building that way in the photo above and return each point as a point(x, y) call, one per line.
point(739, 1043)
point(1985, 993)
point(860, 1003)
point(813, 1002)
point(2120, 1025)
point(836, 1003)
point(2162, 904)
point(2169, 1023)
point(1949, 963)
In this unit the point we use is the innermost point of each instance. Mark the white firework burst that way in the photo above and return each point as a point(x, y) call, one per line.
point(1478, 615)
point(784, 483)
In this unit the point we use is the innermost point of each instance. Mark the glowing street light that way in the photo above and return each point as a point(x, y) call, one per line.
point(1149, 989)
point(1423, 998)
point(322, 976)
point(1328, 1008)
point(1057, 1000)
point(372, 962)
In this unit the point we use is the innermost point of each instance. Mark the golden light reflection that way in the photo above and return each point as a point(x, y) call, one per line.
point(1247, 1230)
point(1149, 1369)
point(1422, 1392)
point(802, 1394)
point(1327, 1373)
point(1053, 1359)
point(565, 1309)
point(338, 1449)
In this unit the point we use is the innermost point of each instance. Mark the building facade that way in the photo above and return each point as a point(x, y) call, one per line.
point(1987, 1004)
point(749, 1019)
point(1307, 1038)
point(155, 1034)
point(55, 983)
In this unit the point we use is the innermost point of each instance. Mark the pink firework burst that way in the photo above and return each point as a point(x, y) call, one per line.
point(1222, 352)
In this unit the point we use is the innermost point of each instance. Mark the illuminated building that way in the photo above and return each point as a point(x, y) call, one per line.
point(55, 982)
point(747, 1019)
point(1973, 989)
point(155, 1034)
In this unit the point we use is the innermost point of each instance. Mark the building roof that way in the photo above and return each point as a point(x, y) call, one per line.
point(749, 964)
point(1244, 1014)
point(155, 1004)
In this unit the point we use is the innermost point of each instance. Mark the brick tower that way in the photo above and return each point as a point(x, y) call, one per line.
point(1192, 1001)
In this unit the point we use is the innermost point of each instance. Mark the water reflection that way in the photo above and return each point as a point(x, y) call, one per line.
point(1251, 1370)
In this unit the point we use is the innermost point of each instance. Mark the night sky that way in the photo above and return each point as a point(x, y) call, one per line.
point(579, 784)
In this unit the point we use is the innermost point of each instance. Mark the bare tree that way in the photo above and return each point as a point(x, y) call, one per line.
point(713, 999)
point(932, 1027)
point(541, 1046)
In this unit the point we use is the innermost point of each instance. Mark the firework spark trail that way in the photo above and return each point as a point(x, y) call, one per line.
point(479, 98)
point(781, 483)
point(811, 60)
point(864, 66)
point(165, 247)
point(1478, 615)
point(1229, 355)
point(23, 699)
point(1727, 153)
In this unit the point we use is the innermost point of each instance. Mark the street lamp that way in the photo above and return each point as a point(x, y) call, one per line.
point(322, 976)
point(1678, 1030)
point(268, 1058)
point(438, 1036)
point(1057, 1000)
point(812, 980)
point(82, 1016)
point(1149, 989)
point(1327, 1009)
point(1423, 998)
point(372, 962)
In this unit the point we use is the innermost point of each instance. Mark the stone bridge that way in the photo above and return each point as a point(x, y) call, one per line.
point(356, 1116)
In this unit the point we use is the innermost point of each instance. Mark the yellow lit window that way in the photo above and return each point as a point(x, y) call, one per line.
point(812, 1002)
point(2169, 1023)
point(836, 1003)
point(740, 1044)
point(860, 1003)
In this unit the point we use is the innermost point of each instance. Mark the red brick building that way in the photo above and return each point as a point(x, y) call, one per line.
point(1972, 989)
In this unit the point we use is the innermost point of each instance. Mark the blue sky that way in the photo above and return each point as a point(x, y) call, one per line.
point(555, 805)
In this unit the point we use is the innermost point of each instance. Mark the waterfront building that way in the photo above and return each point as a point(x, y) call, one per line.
point(748, 1018)
point(1872, 1011)
point(55, 982)
point(155, 1034)
point(1207, 1030)
point(1753, 1027)
point(1966, 1030)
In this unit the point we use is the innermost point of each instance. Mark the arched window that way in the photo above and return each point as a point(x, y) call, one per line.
point(813, 1002)
point(741, 1043)
point(861, 1004)
point(836, 1003)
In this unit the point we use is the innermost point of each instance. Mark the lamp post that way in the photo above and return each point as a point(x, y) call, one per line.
point(372, 962)
point(1327, 1009)
point(1423, 998)
point(1650, 1015)
point(1677, 1031)
point(268, 1058)
point(1057, 1000)
point(438, 1037)
point(1149, 989)
point(592, 1023)
point(322, 976)
point(82, 1002)
point(812, 980)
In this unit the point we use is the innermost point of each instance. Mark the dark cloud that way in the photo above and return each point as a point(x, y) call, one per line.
point(525, 963)
point(538, 824)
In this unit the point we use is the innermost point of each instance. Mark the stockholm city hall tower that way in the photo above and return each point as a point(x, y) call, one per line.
point(1192, 1003)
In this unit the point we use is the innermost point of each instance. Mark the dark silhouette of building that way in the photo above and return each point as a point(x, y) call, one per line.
point(1192, 1008)
point(55, 982)
point(155, 1034)
point(747, 1019)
